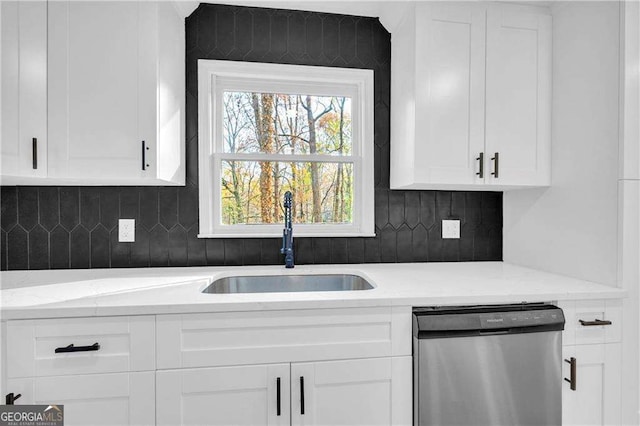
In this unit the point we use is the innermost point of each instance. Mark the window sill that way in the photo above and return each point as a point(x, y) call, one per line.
point(300, 234)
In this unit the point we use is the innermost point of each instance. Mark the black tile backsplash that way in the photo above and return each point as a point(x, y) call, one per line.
point(76, 227)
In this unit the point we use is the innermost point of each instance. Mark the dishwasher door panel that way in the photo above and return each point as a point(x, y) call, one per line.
point(508, 379)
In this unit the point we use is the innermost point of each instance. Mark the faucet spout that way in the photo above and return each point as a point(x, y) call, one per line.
point(287, 232)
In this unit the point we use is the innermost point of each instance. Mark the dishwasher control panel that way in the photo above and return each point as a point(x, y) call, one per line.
point(477, 320)
point(520, 318)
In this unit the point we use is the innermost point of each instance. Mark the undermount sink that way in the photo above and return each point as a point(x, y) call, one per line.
point(288, 283)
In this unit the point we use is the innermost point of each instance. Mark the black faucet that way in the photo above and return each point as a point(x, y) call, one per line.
point(287, 233)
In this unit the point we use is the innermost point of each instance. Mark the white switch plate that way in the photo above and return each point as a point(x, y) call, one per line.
point(450, 229)
point(127, 230)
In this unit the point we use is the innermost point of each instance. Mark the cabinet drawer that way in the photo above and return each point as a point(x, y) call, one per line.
point(125, 344)
point(203, 340)
point(590, 311)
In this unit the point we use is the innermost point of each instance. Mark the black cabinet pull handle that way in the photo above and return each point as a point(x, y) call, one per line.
point(145, 148)
point(481, 165)
point(574, 374)
point(72, 348)
point(594, 322)
point(10, 398)
point(302, 395)
point(278, 396)
point(34, 154)
point(496, 165)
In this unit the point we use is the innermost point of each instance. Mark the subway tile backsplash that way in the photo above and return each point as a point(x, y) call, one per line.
point(76, 227)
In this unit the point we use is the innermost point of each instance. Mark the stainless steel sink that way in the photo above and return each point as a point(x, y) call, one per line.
point(288, 283)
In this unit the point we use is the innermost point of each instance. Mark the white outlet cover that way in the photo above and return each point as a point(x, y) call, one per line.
point(451, 229)
point(127, 230)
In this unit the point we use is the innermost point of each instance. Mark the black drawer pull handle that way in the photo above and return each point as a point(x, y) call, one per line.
point(480, 159)
point(572, 380)
point(145, 148)
point(496, 165)
point(34, 153)
point(10, 398)
point(72, 348)
point(278, 396)
point(302, 395)
point(594, 322)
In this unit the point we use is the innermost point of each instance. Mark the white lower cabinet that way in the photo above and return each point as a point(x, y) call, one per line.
point(596, 398)
point(369, 392)
point(374, 391)
point(592, 339)
point(313, 367)
point(93, 399)
point(238, 395)
point(102, 369)
point(334, 366)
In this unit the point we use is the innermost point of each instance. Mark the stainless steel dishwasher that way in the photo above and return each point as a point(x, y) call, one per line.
point(487, 365)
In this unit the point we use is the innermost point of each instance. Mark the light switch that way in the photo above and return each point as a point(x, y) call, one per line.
point(450, 229)
point(127, 230)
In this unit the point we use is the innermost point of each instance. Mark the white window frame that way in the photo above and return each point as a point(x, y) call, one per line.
point(215, 77)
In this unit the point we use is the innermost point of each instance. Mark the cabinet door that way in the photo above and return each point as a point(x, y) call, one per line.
point(98, 70)
point(94, 399)
point(518, 95)
point(243, 395)
point(450, 66)
point(596, 400)
point(23, 107)
point(374, 391)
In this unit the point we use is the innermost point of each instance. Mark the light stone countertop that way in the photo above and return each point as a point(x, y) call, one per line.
point(105, 292)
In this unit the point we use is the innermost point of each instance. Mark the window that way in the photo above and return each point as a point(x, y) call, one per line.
point(265, 129)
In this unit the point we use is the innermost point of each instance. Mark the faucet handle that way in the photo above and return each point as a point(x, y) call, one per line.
point(284, 241)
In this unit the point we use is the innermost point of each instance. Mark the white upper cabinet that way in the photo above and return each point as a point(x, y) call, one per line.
point(438, 101)
point(109, 91)
point(114, 94)
point(95, 88)
point(23, 67)
point(470, 80)
point(518, 103)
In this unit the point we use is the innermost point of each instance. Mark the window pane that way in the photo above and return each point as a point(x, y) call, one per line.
point(252, 192)
point(286, 124)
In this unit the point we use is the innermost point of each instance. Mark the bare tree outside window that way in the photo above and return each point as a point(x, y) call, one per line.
point(281, 125)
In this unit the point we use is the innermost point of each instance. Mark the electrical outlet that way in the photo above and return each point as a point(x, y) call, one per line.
point(127, 230)
point(450, 229)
